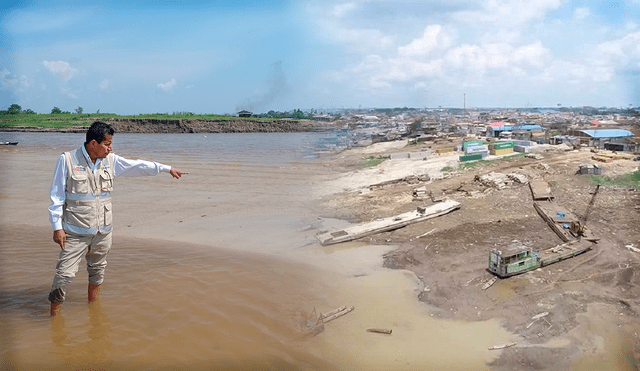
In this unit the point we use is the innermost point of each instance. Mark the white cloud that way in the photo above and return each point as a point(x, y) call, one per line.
point(625, 50)
point(432, 38)
point(581, 13)
point(168, 86)
point(535, 55)
point(103, 85)
point(61, 68)
point(6, 81)
point(66, 73)
point(21, 84)
point(504, 47)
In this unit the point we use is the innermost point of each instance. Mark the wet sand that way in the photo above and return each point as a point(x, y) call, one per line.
point(210, 271)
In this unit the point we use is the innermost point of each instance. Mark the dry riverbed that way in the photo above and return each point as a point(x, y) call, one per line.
point(581, 313)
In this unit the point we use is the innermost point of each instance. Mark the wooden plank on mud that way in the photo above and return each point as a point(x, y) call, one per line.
point(540, 190)
point(388, 224)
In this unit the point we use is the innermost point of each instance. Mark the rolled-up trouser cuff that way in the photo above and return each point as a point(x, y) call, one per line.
point(56, 296)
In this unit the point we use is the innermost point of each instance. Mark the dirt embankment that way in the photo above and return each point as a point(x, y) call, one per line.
point(151, 126)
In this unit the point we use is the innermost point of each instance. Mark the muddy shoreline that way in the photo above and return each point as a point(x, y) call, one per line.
point(155, 126)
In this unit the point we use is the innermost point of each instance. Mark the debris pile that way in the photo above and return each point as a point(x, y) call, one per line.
point(518, 178)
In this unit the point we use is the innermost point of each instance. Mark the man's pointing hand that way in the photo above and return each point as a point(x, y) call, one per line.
point(177, 173)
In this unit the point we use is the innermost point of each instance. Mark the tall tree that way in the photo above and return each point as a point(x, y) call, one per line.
point(56, 110)
point(14, 109)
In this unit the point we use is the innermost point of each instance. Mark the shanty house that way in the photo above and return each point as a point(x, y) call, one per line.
point(498, 131)
point(613, 139)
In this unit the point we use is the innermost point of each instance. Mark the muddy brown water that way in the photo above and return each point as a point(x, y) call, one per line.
point(212, 271)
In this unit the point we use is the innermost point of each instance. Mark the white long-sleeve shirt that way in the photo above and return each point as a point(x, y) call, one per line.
point(122, 167)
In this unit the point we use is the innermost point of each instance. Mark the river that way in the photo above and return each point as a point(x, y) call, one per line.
point(212, 271)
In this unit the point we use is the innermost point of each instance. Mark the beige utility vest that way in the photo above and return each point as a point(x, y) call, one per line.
point(87, 207)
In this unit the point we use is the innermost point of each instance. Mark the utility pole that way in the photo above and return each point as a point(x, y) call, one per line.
point(464, 107)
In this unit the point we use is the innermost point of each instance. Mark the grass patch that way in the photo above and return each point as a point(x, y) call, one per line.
point(631, 180)
point(474, 164)
point(64, 120)
point(372, 161)
point(447, 169)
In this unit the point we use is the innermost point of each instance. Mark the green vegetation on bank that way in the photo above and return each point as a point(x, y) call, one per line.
point(474, 164)
point(372, 161)
point(68, 119)
point(14, 115)
point(630, 180)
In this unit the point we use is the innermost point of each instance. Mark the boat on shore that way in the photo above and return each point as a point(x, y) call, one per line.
point(8, 143)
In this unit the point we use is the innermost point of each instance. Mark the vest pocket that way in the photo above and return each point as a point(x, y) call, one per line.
point(80, 183)
point(106, 181)
point(108, 217)
point(78, 214)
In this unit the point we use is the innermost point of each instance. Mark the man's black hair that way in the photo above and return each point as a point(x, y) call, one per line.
point(97, 131)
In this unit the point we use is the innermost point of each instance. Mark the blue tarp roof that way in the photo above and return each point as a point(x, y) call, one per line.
point(607, 133)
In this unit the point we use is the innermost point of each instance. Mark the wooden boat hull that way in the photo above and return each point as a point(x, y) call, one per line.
point(388, 224)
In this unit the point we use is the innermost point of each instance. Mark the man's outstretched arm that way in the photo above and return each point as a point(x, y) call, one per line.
point(129, 168)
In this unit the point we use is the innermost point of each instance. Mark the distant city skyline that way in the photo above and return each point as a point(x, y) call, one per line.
point(226, 56)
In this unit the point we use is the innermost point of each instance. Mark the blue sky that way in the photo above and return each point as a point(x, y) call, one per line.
point(145, 56)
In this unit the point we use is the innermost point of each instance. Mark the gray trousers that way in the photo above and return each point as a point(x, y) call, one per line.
point(94, 248)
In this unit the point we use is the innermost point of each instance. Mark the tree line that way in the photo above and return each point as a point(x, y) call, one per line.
point(295, 114)
point(16, 109)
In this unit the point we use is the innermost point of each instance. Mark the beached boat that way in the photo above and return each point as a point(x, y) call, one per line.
point(388, 224)
point(520, 260)
point(563, 222)
point(8, 143)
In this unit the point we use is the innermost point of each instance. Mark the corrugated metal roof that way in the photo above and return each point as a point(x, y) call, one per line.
point(607, 133)
point(522, 127)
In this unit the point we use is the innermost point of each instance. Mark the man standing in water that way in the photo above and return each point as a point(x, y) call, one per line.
point(80, 210)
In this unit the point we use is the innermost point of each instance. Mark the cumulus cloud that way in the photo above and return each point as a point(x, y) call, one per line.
point(488, 45)
point(432, 38)
point(61, 68)
point(168, 86)
point(65, 72)
point(624, 51)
